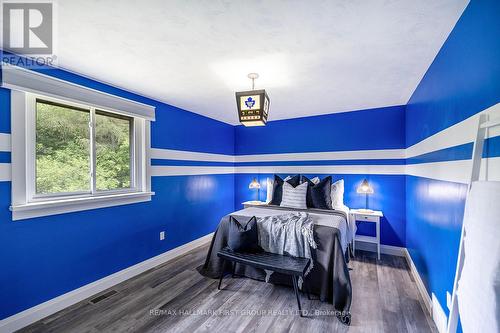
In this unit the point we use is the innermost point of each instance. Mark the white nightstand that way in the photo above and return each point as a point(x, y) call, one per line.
point(247, 204)
point(364, 216)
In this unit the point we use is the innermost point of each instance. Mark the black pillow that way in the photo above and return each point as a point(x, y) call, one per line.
point(278, 188)
point(319, 195)
point(243, 239)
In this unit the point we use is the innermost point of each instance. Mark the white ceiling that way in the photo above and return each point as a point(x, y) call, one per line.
point(313, 57)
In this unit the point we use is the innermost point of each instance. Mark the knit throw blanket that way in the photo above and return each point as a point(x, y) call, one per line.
point(288, 234)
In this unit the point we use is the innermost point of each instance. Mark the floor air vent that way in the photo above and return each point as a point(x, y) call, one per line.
point(103, 296)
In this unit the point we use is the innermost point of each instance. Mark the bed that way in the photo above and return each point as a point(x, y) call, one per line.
point(329, 279)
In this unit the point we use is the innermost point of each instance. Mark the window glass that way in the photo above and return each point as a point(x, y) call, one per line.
point(62, 149)
point(113, 152)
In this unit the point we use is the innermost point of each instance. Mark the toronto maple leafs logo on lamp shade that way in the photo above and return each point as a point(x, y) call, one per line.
point(249, 102)
point(253, 105)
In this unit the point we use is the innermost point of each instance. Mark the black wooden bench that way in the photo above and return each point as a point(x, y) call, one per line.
point(293, 266)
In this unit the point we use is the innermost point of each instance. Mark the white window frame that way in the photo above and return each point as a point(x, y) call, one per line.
point(25, 202)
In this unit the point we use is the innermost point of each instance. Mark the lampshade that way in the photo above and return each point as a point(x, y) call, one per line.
point(254, 184)
point(365, 188)
point(253, 107)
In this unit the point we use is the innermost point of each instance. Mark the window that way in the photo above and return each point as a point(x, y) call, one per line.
point(69, 156)
point(74, 148)
point(81, 150)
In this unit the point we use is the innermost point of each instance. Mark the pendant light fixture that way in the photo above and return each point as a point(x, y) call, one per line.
point(253, 105)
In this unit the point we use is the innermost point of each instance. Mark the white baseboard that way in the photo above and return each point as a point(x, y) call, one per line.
point(431, 303)
point(384, 249)
point(420, 284)
point(438, 315)
point(40, 311)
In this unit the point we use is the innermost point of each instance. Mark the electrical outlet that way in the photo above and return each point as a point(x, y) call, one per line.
point(162, 235)
point(448, 300)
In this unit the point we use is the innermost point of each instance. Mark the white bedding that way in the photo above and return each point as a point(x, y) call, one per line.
point(346, 229)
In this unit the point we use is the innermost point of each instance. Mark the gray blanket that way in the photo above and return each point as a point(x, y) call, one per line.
point(291, 234)
point(329, 278)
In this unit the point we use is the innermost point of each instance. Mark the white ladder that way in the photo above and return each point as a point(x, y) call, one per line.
point(477, 155)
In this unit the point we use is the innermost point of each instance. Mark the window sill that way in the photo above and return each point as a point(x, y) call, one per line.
point(61, 206)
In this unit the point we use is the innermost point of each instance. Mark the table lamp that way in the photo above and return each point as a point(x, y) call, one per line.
point(365, 189)
point(255, 185)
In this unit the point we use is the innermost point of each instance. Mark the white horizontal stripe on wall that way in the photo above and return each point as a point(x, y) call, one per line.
point(167, 170)
point(326, 169)
point(4, 142)
point(169, 154)
point(5, 172)
point(329, 155)
point(453, 171)
point(456, 171)
point(458, 134)
point(161, 170)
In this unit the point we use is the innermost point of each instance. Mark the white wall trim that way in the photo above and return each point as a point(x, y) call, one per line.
point(431, 303)
point(54, 305)
point(438, 315)
point(18, 78)
point(418, 280)
point(18, 154)
point(4, 142)
point(47, 208)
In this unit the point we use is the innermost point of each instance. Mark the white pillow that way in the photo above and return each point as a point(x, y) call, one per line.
point(270, 187)
point(338, 194)
point(269, 194)
point(294, 197)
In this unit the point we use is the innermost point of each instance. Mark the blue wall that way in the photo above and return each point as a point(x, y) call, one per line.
point(45, 257)
point(463, 80)
point(381, 128)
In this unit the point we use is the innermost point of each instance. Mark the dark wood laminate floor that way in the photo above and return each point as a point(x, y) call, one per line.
point(174, 297)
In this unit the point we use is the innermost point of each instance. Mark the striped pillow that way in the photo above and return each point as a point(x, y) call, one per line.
point(294, 197)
